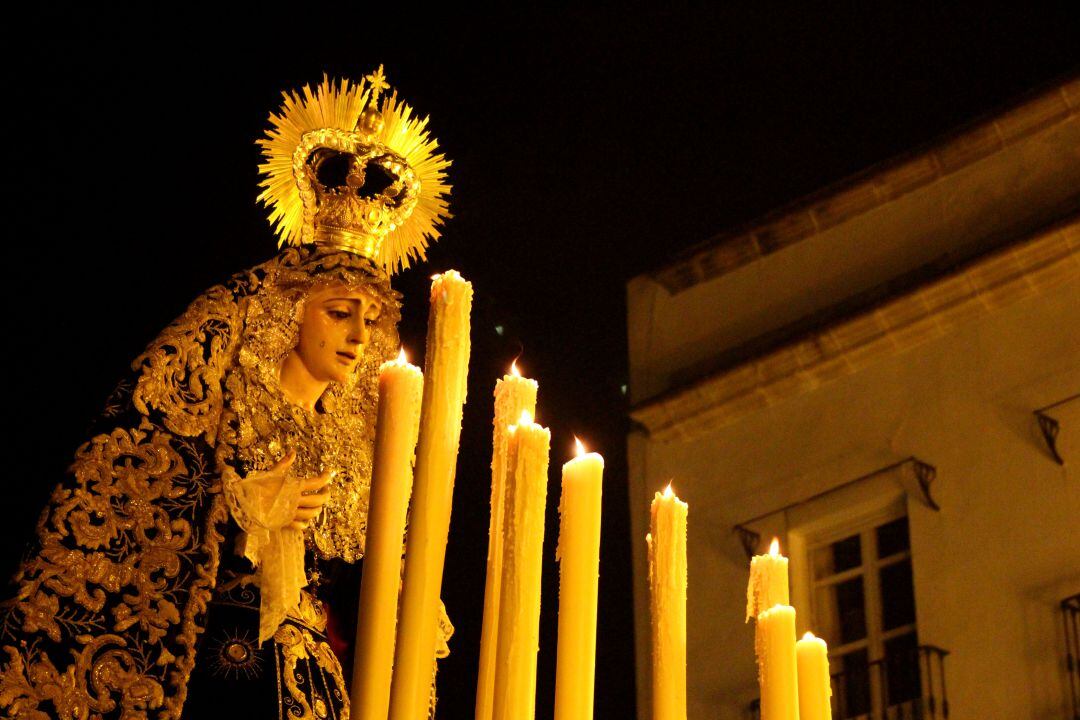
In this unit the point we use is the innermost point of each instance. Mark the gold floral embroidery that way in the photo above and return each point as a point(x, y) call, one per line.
point(182, 368)
point(328, 663)
point(101, 669)
point(293, 646)
point(298, 645)
point(110, 607)
point(109, 610)
point(115, 545)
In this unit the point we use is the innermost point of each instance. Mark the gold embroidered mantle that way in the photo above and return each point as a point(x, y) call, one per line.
point(111, 601)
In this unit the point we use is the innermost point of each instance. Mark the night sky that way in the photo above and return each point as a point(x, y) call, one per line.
point(587, 147)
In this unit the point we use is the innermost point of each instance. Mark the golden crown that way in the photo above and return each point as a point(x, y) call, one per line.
point(344, 169)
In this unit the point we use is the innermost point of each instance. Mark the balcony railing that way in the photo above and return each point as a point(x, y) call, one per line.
point(1070, 610)
point(905, 686)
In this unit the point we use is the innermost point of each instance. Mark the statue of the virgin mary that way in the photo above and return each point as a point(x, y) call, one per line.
point(178, 567)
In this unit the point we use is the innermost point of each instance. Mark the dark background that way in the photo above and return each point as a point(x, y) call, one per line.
point(588, 147)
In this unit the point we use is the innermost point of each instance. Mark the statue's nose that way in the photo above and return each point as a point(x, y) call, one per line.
point(360, 333)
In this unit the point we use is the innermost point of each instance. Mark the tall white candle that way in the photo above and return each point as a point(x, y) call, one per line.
point(815, 686)
point(513, 395)
point(768, 584)
point(777, 667)
point(519, 604)
point(579, 573)
point(400, 391)
point(667, 585)
point(445, 370)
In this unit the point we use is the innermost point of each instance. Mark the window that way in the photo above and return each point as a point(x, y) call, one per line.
point(864, 606)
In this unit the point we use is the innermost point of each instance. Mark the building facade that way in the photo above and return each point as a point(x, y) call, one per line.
point(886, 377)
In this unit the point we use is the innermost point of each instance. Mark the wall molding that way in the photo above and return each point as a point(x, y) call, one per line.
point(930, 311)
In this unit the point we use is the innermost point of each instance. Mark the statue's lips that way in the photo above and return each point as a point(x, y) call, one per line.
point(350, 357)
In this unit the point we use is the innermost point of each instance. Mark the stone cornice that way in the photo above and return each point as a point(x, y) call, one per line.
point(938, 307)
point(870, 189)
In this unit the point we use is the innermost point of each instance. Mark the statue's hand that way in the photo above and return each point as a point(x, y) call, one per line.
point(269, 481)
point(315, 493)
point(267, 485)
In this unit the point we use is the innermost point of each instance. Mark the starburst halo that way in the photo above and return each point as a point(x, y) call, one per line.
point(338, 104)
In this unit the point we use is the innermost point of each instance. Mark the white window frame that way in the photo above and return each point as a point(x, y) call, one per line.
point(870, 570)
point(860, 509)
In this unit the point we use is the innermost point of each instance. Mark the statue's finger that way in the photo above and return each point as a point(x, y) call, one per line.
point(315, 483)
point(286, 461)
point(315, 499)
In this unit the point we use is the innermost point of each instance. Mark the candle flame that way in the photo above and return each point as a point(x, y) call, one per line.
point(668, 492)
point(526, 418)
point(774, 547)
point(436, 276)
point(401, 356)
point(514, 368)
point(809, 636)
point(580, 449)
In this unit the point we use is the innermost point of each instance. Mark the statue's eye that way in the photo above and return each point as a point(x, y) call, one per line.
point(338, 314)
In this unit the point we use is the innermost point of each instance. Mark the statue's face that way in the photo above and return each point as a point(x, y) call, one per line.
point(336, 328)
